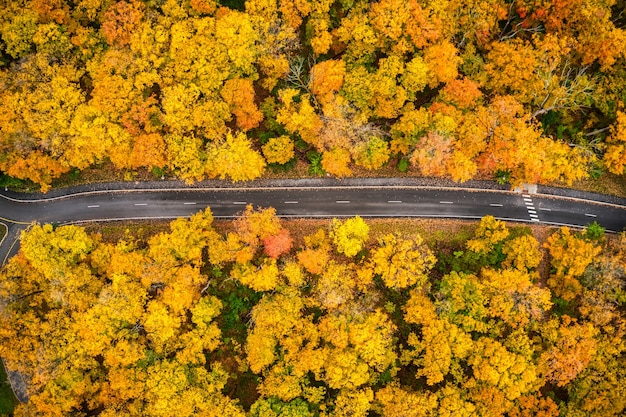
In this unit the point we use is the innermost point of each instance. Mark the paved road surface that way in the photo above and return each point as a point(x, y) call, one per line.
point(335, 201)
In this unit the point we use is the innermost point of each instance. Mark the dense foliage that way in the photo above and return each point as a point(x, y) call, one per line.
point(530, 90)
point(196, 322)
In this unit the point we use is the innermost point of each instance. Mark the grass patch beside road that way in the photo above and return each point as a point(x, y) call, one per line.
point(7, 399)
point(608, 183)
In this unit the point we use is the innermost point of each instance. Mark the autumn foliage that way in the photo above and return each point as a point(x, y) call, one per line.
point(179, 322)
point(531, 89)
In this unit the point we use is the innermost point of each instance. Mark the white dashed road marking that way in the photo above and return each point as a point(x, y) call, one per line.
point(240, 202)
point(141, 204)
point(291, 202)
point(531, 208)
point(544, 209)
point(590, 215)
point(342, 201)
point(189, 204)
point(495, 205)
point(394, 201)
point(446, 202)
point(94, 206)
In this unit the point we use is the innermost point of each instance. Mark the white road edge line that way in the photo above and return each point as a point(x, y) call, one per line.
point(6, 226)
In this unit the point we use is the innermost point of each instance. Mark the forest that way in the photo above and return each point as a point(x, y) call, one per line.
point(248, 318)
point(520, 90)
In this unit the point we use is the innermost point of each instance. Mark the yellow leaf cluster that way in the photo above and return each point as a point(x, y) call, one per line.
point(488, 233)
point(349, 236)
point(234, 157)
point(279, 150)
point(402, 263)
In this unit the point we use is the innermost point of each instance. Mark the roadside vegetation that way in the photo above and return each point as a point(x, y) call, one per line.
point(260, 317)
point(7, 399)
point(517, 91)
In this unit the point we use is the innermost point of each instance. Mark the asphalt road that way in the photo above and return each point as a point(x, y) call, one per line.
point(340, 201)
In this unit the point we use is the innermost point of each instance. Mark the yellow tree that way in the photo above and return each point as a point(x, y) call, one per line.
point(615, 154)
point(535, 405)
point(569, 256)
point(234, 157)
point(299, 118)
point(186, 156)
point(597, 389)
point(442, 60)
point(315, 254)
point(453, 401)
point(276, 40)
point(356, 352)
point(372, 154)
point(264, 277)
point(513, 298)
point(349, 236)
point(462, 299)
point(335, 162)
point(376, 93)
point(327, 79)
point(402, 263)
point(254, 226)
point(353, 403)
point(432, 154)
point(488, 233)
point(522, 253)
point(572, 346)
point(336, 287)
point(396, 401)
point(273, 318)
point(279, 150)
point(439, 351)
point(496, 367)
point(409, 128)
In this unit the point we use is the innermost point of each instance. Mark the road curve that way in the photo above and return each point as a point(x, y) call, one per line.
point(17, 211)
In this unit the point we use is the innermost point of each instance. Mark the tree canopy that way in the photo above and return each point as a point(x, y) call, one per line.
point(531, 90)
point(206, 319)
